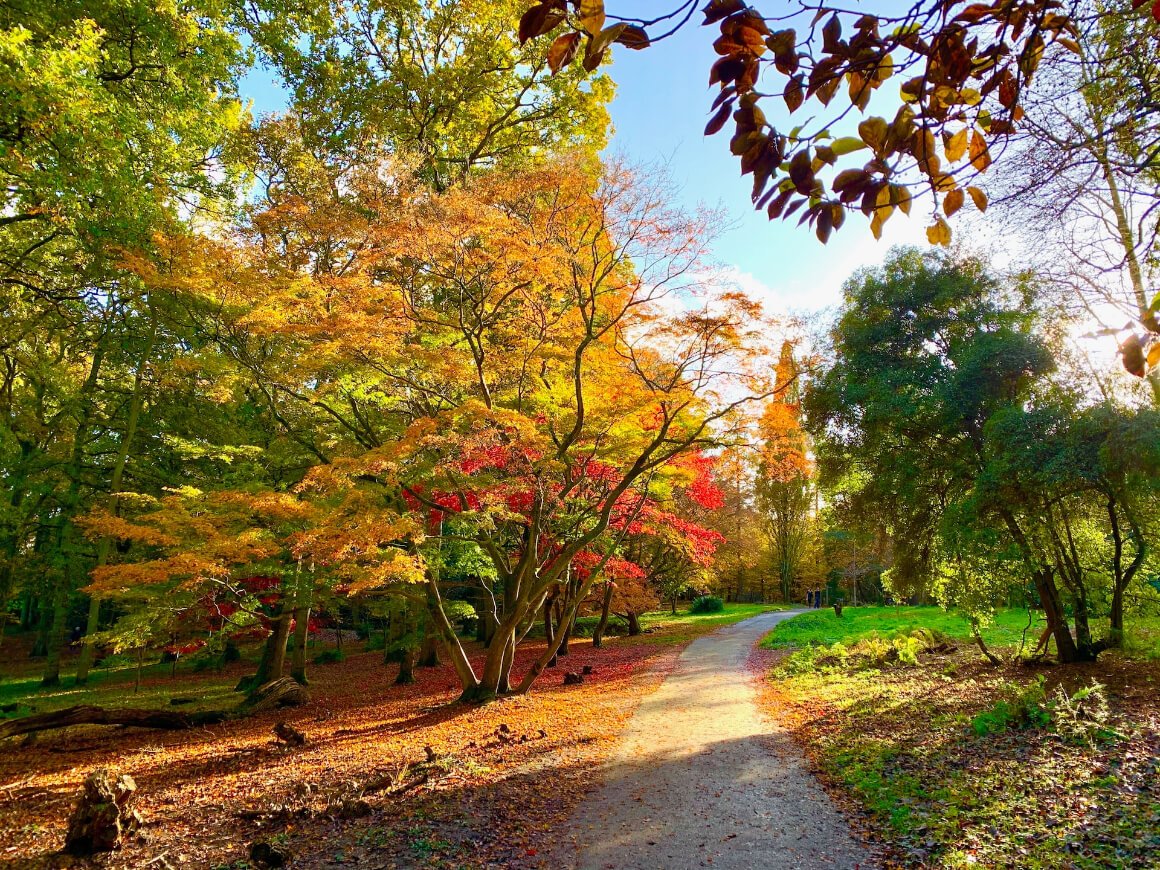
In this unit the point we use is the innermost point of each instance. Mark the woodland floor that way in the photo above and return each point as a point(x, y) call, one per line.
point(945, 768)
point(506, 773)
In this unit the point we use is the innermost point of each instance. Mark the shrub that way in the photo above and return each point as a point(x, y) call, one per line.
point(1028, 708)
point(329, 656)
point(1085, 716)
point(707, 604)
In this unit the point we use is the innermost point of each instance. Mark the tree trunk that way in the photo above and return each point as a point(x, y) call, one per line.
point(429, 656)
point(549, 629)
point(406, 667)
point(115, 480)
point(56, 632)
point(981, 644)
point(564, 629)
point(1056, 620)
point(539, 664)
point(274, 652)
point(605, 605)
point(90, 715)
point(633, 623)
point(450, 639)
point(298, 645)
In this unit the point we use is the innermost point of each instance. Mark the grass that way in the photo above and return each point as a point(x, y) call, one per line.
point(823, 627)
point(663, 627)
point(959, 764)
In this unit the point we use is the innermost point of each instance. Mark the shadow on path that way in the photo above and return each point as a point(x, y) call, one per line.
point(701, 779)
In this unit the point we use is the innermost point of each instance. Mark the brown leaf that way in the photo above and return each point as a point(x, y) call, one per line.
point(718, 9)
point(563, 51)
point(633, 37)
point(873, 132)
point(719, 118)
point(953, 201)
point(978, 198)
point(539, 20)
point(1132, 353)
point(980, 156)
point(794, 93)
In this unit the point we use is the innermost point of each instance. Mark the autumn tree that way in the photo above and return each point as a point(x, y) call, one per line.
point(527, 395)
point(783, 488)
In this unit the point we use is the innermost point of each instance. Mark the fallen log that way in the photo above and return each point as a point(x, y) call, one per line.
point(84, 714)
point(282, 692)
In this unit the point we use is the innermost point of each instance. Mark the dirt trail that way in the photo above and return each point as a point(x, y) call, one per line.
point(701, 779)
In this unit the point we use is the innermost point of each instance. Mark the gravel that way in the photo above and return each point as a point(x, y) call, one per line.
point(701, 779)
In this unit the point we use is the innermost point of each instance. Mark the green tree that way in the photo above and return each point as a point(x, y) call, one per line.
point(445, 81)
point(936, 398)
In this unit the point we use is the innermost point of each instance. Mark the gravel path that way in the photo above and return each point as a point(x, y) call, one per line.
point(700, 779)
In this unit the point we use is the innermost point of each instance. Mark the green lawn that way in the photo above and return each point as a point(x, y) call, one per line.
point(663, 627)
point(823, 627)
point(966, 765)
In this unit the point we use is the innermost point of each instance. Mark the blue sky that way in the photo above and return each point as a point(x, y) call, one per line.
point(659, 115)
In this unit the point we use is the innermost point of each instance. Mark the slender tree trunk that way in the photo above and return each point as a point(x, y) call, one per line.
point(115, 481)
point(539, 664)
point(564, 629)
point(67, 546)
point(56, 632)
point(549, 628)
point(298, 645)
point(602, 625)
point(1128, 242)
point(446, 631)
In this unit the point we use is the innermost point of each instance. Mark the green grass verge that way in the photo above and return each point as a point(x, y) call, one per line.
point(1006, 629)
point(824, 627)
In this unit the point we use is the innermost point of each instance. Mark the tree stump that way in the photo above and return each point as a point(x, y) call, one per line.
point(103, 815)
point(282, 692)
point(837, 608)
point(288, 734)
point(573, 679)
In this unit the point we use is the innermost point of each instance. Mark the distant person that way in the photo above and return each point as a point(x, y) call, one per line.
point(817, 599)
point(809, 598)
point(77, 634)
